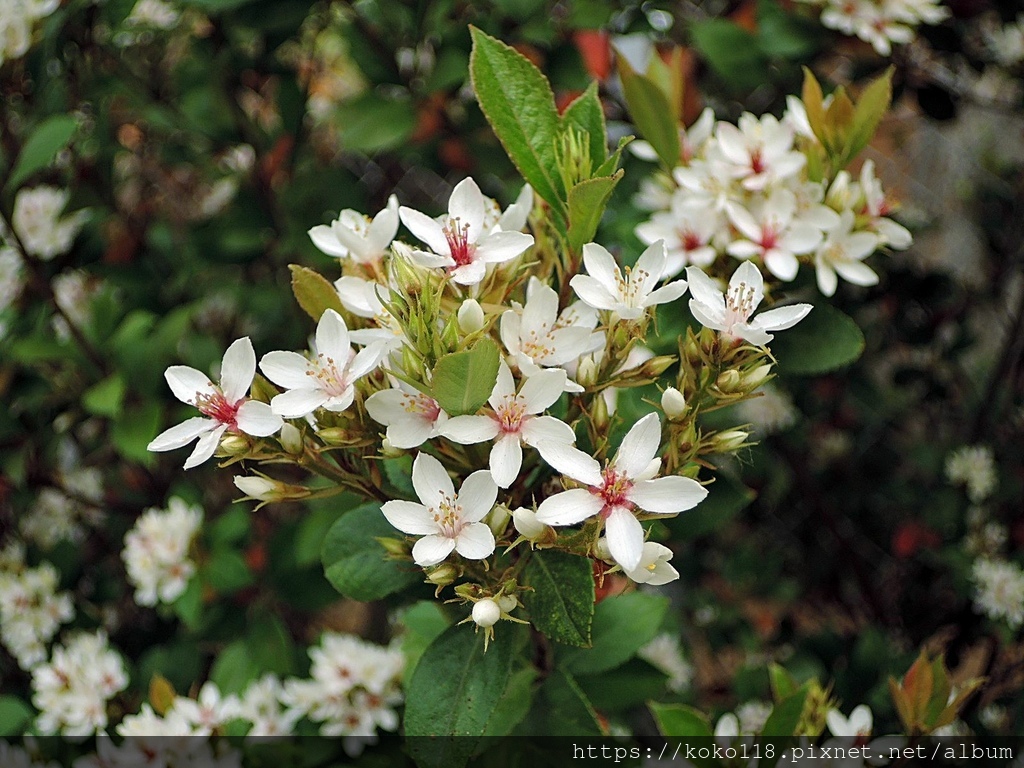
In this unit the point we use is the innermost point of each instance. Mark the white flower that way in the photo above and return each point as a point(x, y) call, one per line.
point(208, 711)
point(153, 13)
point(156, 552)
point(858, 724)
point(664, 653)
point(31, 610)
point(225, 408)
point(328, 381)
point(459, 242)
point(842, 253)
point(514, 218)
point(654, 567)
point(148, 725)
point(604, 287)
point(975, 467)
point(538, 336)
point(618, 490)
point(760, 150)
point(355, 236)
point(730, 313)
point(71, 691)
point(486, 612)
point(773, 235)
point(877, 207)
point(709, 183)
point(513, 421)
point(1000, 590)
point(687, 231)
point(12, 278)
point(261, 705)
point(38, 223)
point(411, 417)
point(444, 520)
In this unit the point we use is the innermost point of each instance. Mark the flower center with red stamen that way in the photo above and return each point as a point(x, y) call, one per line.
point(423, 406)
point(769, 237)
point(757, 164)
point(217, 407)
point(330, 377)
point(510, 414)
point(461, 249)
point(612, 491)
point(690, 240)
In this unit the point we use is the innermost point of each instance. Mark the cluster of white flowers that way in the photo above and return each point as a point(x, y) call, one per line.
point(1005, 42)
point(974, 467)
point(152, 746)
point(882, 23)
point(71, 691)
point(12, 278)
point(40, 225)
point(742, 191)
point(999, 592)
point(31, 608)
point(18, 757)
point(156, 14)
point(17, 17)
point(156, 552)
point(353, 689)
point(665, 653)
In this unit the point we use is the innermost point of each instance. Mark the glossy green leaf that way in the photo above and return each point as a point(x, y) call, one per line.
point(680, 721)
point(106, 397)
point(462, 381)
point(314, 292)
point(562, 709)
point(15, 715)
point(586, 114)
point(870, 109)
point(823, 341)
point(561, 600)
point(42, 146)
point(651, 113)
point(732, 52)
point(514, 704)
point(622, 625)
point(517, 101)
point(356, 564)
point(587, 201)
point(423, 622)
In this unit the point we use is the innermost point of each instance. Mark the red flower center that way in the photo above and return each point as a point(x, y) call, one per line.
point(461, 249)
point(216, 406)
point(613, 491)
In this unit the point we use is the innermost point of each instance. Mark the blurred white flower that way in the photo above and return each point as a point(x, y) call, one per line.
point(999, 590)
point(156, 552)
point(38, 223)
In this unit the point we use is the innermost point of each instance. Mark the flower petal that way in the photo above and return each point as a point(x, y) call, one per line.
point(502, 246)
point(384, 226)
point(571, 461)
point(506, 460)
point(297, 403)
point(542, 390)
point(569, 507)
point(430, 480)
point(431, 550)
point(286, 369)
point(704, 291)
point(667, 495)
point(386, 406)
point(182, 434)
point(475, 542)
point(666, 293)
point(187, 382)
point(593, 292)
point(410, 517)
point(409, 431)
point(541, 428)
point(639, 446)
point(781, 318)
point(425, 229)
point(601, 265)
point(206, 447)
point(237, 369)
point(323, 237)
point(466, 204)
point(625, 538)
point(469, 274)
point(257, 419)
point(856, 272)
point(467, 430)
point(477, 495)
point(332, 338)
point(504, 386)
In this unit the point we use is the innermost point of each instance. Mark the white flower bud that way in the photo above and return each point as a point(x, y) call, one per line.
point(497, 519)
point(234, 445)
point(526, 522)
point(730, 440)
point(291, 438)
point(471, 316)
point(755, 378)
point(257, 487)
point(388, 450)
point(602, 552)
point(586, 373)
point(729, 381)
point(507, 603)
point(673, 403)
point(486, 612)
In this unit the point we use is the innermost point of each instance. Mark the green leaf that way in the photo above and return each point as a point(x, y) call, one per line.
point(517, 101)
point(783, 684)
point(106, 397)
point(514, 703)
point(562, 709)
point(680, 721)
point(42, 146)
point(423, 622)
point(587, 201)
point(651, 112)
point(356, 564)
point(622, 625)
point(133, 429)
point(732, 52)
point(871, 108)
point(628, 685)
point(823, 341)
point(561, 599)
point(454, 692)
point(14, 716)
point(586, 114)
point(726, 498)
point(461, 382)
point(189, 605)
point(372, 124)
point(314, 292)
point(227, 572)
point(785, 35)
point(786, 715)
point(234, 668)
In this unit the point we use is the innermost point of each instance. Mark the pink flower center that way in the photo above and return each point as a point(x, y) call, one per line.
point(462, 251)
point(690, 240)
point(757, 164)
point(217, 407)
point(769, 236)
point(448, 516)
point(612, 491)
point(510, 415)
point(330, 377)
point(423, 406)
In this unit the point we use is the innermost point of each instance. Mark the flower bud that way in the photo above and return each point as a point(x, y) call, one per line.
point(586, 373)
point(396, 547)
point(268, 489)
point(656, 366)
point(602, 551)
point(673, 403)
point(471, 316)
point(507, 603)
point(335, 436)
point(388, 451)
point(730, 440)
point(234, 445)
point(755, 378)
point(291, 439)
point(486, 612)
point(497, 519)
point(526, 522)
point(729, 381)
point(443, 575)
